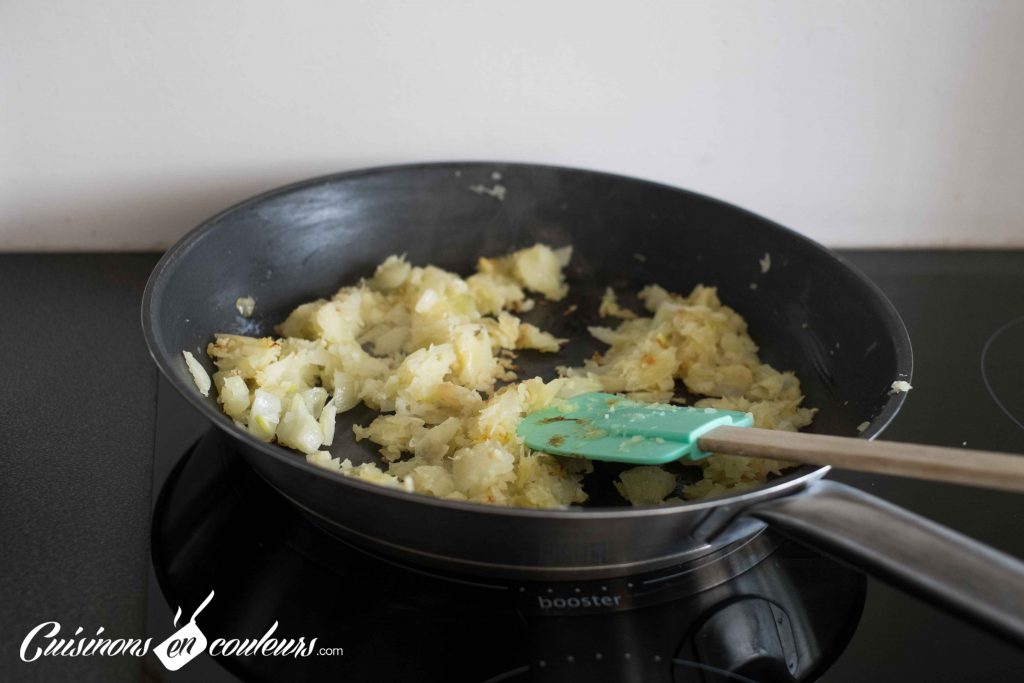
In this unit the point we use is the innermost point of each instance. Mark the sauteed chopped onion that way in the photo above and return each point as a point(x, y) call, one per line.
point(433, 353)
point(199, 375)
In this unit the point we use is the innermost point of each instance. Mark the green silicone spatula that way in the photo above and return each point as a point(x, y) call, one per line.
point(614, 428)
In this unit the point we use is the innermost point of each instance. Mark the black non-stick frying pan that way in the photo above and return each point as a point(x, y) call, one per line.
point(810, 312)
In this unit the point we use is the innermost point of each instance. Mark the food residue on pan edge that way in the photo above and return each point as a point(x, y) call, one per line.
point(245, 306)
point(431, 352)
point(900, 387)
point(499, 191)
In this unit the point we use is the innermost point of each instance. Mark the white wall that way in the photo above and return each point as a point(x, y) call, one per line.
point(123, 124)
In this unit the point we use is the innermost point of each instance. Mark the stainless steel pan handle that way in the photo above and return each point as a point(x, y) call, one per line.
point(940, 565)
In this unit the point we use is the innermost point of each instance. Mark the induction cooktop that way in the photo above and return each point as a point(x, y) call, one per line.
point(764, 609)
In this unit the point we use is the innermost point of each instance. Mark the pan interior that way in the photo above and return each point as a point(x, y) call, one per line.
point(583, 302)
point(808, 312)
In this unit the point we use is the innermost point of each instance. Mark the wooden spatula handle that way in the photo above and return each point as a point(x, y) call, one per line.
point(955, 465)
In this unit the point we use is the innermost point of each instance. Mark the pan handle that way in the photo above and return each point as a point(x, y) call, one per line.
point(942, 566)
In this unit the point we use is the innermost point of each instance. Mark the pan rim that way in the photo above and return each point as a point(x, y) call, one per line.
point(786, 483)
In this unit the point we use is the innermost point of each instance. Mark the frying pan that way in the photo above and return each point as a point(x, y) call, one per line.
point(810, 312)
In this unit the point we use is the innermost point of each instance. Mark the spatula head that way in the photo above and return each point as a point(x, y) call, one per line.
point(614, 428)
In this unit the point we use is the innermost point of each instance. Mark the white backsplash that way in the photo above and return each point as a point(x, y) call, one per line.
point(871, 123)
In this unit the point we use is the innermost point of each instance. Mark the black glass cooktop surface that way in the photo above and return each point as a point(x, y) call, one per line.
point(760, 609)
point(765, 610)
